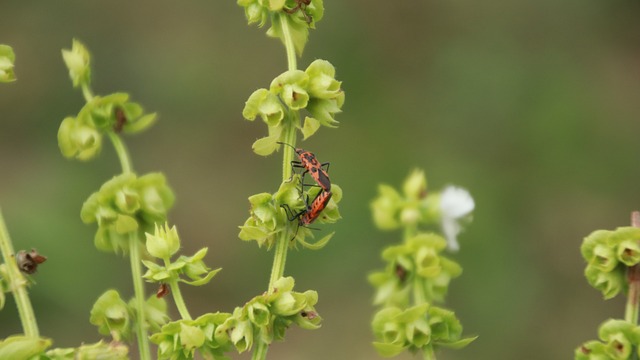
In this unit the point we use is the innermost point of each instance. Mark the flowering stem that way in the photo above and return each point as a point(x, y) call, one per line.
point(121, 150)
point(289, 137)
point(633, 277)
point(17, 284)
point(134, 257)
point(177, 295)
point(138, 288)
point(288, 42)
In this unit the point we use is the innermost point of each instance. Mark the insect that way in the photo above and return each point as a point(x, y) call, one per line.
point(121, 119)
point(162, 290)
point(311, 213)
point(300, 5)
point(311, 165)
point(28, 261)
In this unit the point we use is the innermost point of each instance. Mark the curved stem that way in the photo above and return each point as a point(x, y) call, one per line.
point(138, 288)
point(123, 153)
point(177, 296)
point(87, 93)
point(17, 284)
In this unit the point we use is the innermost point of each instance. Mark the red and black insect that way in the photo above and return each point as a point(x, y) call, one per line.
point(311, 165)
point(312, 212)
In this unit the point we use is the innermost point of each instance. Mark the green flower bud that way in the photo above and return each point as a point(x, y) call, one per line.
point(164, 242)
point(242, 336)
point(445, 327)
point(78, 141)
point(591, 350)
point(7, 60)
point(604, 258)
point(427, 262)
point(266, 105)
point(156, 197)
point(415, 187)
point(620, 337)
point(77, 60)
point(598, 237)
point(191, 338)
point(628, 252)
point(290, 86)
point(111, 315)
point(386, 208)
point(127, 200)
point(258, 313)
point(608, 283)
point(255, 11)
point(324, 110)
point(22, 347)
point(322, 82)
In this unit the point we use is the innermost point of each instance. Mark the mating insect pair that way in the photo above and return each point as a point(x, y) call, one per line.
point(313, 167)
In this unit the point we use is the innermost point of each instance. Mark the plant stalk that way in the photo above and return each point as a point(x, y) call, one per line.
point(282, 244)
point(138, 288)
point(177, 296)
point(17, 284)
point(122, 152)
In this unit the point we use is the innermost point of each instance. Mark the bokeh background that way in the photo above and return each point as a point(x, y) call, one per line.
point(534, 106)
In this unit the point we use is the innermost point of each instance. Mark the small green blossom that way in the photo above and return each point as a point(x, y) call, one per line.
point(78, 62)
point(299, 17)
point(164, 242)
point(7, 60)
point(180, 340)
point(125, 204)
point(619, 340)
point(111, 315)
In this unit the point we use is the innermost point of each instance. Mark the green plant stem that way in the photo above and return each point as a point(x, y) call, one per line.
point(134, 257)
point(138, 288)
point(177, 295)
point(17, 284)
point(289, 137)
point(428, 353)
point(632, 308)
point(87, 93)
point(288, 42)
point(121, 150)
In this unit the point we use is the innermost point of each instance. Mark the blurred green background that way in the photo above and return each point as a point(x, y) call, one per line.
point(534, 106)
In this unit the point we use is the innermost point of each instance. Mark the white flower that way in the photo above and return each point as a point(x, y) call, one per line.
point(455, 204)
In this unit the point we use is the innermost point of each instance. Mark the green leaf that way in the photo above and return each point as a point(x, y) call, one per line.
point(203, 280)
point(140, 124)
point(310, 127)
point(318, 244)
point(387, 350)
point(457, 344)
point(265, 146)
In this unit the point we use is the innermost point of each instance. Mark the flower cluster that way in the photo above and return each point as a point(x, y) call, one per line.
point(80, 137)
point(269, 315)
point(416, 328)
point(164, 243)
point(619, 339)
point(266, 317)
point(417, 274)
point(300, 15)
point(127, 204)
point(314, 89)
point(416, 260)
point(268, 219)
point(7, 60)
point(114, 317)
point(450, 208)
point(608, 255)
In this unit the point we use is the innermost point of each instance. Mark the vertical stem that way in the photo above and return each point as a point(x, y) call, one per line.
point(177, 296)
point(138, 288)
point(289, 137)
point(87, 93)
point(288, 43)
point(632, 308)
point(17, 283)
